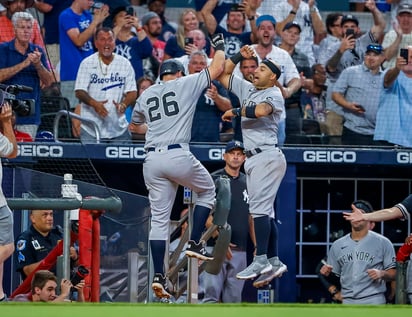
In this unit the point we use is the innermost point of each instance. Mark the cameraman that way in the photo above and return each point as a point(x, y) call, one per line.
point(24, 63)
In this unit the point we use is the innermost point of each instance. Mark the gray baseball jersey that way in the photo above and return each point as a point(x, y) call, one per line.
point(351, 259)
point(168, 109)
point(264, 171)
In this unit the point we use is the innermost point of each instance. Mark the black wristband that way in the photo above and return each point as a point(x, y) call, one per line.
point(292, 12)
point(237, 111)
point(250, 112)
point(251, 18)
point(236, 58)
point(220, 47)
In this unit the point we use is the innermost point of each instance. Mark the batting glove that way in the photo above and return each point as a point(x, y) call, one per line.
point(218, 42)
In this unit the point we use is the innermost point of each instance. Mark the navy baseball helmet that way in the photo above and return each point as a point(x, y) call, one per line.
point(44, 136)
point(171, 66)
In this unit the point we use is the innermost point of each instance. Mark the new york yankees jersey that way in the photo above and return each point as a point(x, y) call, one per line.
point(258, 132)
point(106, 82)
point(351, 259)
point(168, 109)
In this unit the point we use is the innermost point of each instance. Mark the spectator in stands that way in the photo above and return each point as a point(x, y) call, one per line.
point(363, 282)
point(334, 29)
point(44, 286)
point(289, 80)
point(290, 37)
point(168, 29)
point(134, 48)
point(400, 36)
point(8, 149)
point(51, 10)
point(313, 99)
point(219, 10)
point(349, 52)
point(210, 106)
point(357, 90)
point(176, 45)
point(394, 115)
point(76, 29)
point(20, 136)
point(105, 86)
point(234, 33)
point(199, 44)
point(7, 28)
point(306, 14)
point(142, 84)
point(24, 63)
point(152, 25)
point(35, 243)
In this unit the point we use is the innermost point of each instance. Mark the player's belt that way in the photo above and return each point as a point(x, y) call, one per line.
point(292, 105)
point(255, 151)
point(169, 147)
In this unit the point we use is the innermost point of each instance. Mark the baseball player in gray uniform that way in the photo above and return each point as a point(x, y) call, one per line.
point(262, 107)
point(364, 260)
point(165, 113)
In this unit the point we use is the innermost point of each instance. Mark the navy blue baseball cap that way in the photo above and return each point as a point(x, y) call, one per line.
point(291, 25)
point(265, 17)
point(232, 145)
point(349, 17)
point(364, 205)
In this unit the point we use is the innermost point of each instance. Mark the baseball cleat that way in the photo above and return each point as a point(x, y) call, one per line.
point(278, 268)
point(260, 265)
point(198, 250)
point(159, 286)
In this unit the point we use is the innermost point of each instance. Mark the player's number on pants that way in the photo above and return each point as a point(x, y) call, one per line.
point(169, 105)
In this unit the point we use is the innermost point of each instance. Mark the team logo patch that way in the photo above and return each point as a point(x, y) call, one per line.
point(21, 245)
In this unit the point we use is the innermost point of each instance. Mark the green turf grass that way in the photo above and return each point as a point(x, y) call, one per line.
point(210, 310)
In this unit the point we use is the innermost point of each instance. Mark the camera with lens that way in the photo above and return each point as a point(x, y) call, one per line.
point(22, 107)
point(79, 273)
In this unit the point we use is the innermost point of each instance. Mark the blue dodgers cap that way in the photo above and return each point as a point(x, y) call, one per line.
point(265, 17)
point(234, 145)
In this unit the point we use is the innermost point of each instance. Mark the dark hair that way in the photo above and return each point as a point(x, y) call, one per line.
point(40, 279)
point(364, 205)
point(104, 29)
point(331, 19)
point(253, 58)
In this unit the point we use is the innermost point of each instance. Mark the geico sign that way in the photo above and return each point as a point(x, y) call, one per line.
point(329, 156)
point(216, 154)
point(404, 157)
point(34, 150)
point(125, 152)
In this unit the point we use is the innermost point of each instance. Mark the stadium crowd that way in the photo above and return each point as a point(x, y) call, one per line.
point(337, 114)
point(342, 85)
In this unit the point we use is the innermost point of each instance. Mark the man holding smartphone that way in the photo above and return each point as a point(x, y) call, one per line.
point(392, 122)
point(348, 52)
point(400, 36)
point(357, 91)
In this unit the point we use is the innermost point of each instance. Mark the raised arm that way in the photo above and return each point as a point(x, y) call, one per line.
point(379, 23)
point(216, 67)
point(208, 18)
point(393, 73)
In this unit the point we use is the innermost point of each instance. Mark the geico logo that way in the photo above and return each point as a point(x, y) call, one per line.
point(34, 150)
point(404, 157)
point(329, 156)
point(216, 154)
point(125, 152)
